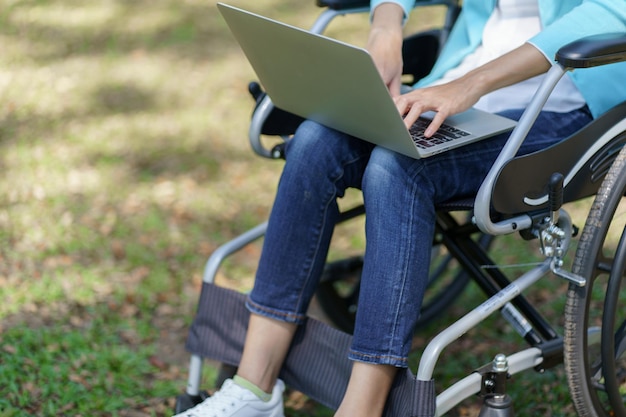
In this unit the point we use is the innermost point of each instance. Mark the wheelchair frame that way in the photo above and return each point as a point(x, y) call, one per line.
point(548, 222)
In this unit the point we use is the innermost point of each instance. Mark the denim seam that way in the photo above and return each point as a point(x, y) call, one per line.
point(288, 317)
point(332, 196)
point(413, 174)
point(376, 358)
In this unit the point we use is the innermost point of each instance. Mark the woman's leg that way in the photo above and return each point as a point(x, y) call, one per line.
point(320, 164)
point(265, 348)
point(400, 195)
point(367, 390)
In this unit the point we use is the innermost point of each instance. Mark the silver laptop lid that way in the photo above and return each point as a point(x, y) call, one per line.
point(297, 80)
point(330, 82)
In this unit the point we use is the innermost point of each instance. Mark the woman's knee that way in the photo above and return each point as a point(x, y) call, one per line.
point(387, 169)
point(310, 140)
point(319, 152)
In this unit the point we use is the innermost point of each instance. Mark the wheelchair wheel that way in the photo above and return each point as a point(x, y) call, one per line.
point(338, 292)
point(595, 316)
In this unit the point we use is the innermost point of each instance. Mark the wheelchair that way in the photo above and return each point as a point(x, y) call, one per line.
point(591, 162)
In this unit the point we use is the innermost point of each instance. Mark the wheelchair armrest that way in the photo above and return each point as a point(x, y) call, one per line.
point(592, 51)
point(278, 122)
point(587, 52)
point(583, 53)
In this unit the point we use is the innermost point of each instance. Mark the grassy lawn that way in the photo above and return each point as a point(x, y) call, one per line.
point(125, 163)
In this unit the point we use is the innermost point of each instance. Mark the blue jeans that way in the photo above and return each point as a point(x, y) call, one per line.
point(400, 195)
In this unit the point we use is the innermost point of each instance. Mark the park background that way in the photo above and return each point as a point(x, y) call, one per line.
point(125, 164)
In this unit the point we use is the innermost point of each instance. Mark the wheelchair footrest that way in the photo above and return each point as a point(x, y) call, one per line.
point(317, 363)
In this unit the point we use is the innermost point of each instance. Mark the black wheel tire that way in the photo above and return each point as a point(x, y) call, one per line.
point(595, 315)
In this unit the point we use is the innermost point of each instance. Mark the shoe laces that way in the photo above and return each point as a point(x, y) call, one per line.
point(220, 402)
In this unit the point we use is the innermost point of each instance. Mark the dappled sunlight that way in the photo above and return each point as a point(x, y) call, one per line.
point(125, 163)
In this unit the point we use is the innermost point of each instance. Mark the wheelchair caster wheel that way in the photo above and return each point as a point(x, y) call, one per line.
point(185, 401)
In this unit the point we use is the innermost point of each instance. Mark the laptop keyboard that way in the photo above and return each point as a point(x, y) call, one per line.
point(446, 133)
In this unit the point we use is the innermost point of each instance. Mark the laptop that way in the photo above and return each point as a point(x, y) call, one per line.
point(338, 85)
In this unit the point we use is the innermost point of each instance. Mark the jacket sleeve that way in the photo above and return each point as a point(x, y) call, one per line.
point(603, 87)
point(407, 5)
point(591, 17)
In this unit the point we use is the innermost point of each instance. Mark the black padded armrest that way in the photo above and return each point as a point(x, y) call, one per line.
point(593, 51)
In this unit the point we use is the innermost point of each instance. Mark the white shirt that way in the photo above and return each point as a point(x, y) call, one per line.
point(511, 24)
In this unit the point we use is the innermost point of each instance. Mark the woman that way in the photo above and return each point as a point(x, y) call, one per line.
point(492, 60)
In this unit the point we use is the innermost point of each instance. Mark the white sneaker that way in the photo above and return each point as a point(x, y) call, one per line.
point(233, 400)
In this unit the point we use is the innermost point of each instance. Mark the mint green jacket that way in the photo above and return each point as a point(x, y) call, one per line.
point(563, 21)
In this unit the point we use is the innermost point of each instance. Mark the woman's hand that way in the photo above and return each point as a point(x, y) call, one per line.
point(461, 94)
point(445, 100)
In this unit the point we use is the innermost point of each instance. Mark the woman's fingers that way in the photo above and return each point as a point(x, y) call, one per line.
point(442, 99)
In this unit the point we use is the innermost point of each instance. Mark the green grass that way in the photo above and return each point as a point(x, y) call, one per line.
point(125, 163)
point(91, 371)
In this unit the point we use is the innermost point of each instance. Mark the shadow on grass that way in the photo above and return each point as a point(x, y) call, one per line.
point(116, 98)
point(186, 30)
